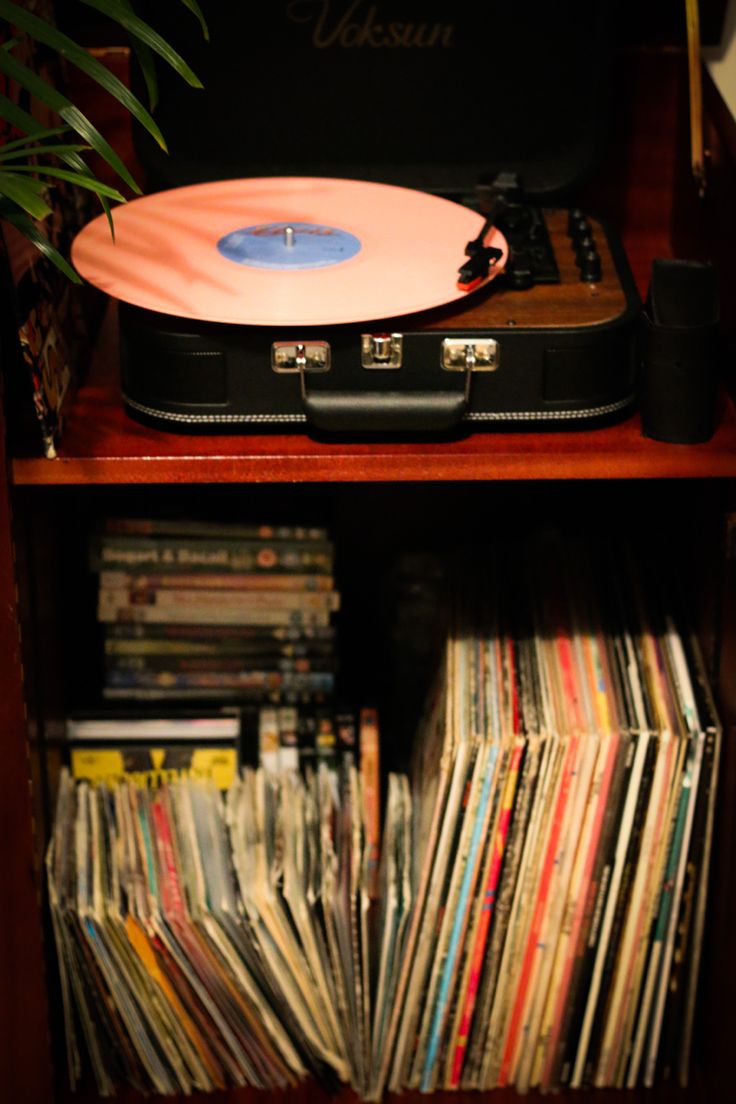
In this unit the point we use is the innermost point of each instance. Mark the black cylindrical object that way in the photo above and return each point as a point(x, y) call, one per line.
point(679, 352)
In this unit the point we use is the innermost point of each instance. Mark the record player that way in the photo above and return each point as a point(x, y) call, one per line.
point(379, 251)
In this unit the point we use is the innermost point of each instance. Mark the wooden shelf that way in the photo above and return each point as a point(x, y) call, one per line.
point(311, 1093)
point(102, 445)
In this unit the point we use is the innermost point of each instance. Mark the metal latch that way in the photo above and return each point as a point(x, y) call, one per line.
point(381, 350)
point(470, 354)
point(296, 356)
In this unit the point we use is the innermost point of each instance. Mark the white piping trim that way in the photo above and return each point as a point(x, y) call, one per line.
point(212, 419)
point(549, 415)
point(278, 419)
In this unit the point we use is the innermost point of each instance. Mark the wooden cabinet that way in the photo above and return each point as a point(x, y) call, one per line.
point(379, 497)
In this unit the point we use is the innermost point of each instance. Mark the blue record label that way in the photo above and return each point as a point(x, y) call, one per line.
point(290, 245)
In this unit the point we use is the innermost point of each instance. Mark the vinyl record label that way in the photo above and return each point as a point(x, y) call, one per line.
point(296, 246)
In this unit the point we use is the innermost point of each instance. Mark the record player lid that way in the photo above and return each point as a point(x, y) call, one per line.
point(423, 94)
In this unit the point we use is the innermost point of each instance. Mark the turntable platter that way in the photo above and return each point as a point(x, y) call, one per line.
point(283, 251)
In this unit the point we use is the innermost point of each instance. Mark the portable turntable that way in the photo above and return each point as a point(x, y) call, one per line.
point(316, 288)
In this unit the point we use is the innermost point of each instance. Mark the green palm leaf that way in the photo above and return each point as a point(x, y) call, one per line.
point(22, 194)
point(147, 63)
point(28, 139)
point(29, 230)
point(127, 18)
point(20, 119)
point(196, 10)
point(12, 68)
point(35, 131)
point(43, 32)
point(25, 193)
point(27, 150)
point(81, 180)
point(74, 161)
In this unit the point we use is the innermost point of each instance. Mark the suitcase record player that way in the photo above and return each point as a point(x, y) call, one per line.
point(378, 312)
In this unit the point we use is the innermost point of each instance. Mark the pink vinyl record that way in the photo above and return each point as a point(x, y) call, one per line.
point(283, 251)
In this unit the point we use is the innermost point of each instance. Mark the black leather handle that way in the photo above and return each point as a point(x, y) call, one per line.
point(383, 411)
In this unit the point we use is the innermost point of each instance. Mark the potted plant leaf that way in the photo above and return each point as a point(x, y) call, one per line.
point(54, 161)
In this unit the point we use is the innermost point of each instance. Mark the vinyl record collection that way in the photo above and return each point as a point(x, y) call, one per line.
point(537, 914)
point(564, 798)
point(208, 611)
point(208, 940)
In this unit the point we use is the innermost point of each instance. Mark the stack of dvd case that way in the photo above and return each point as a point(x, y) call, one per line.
point(534, 918)
point(196, 610)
